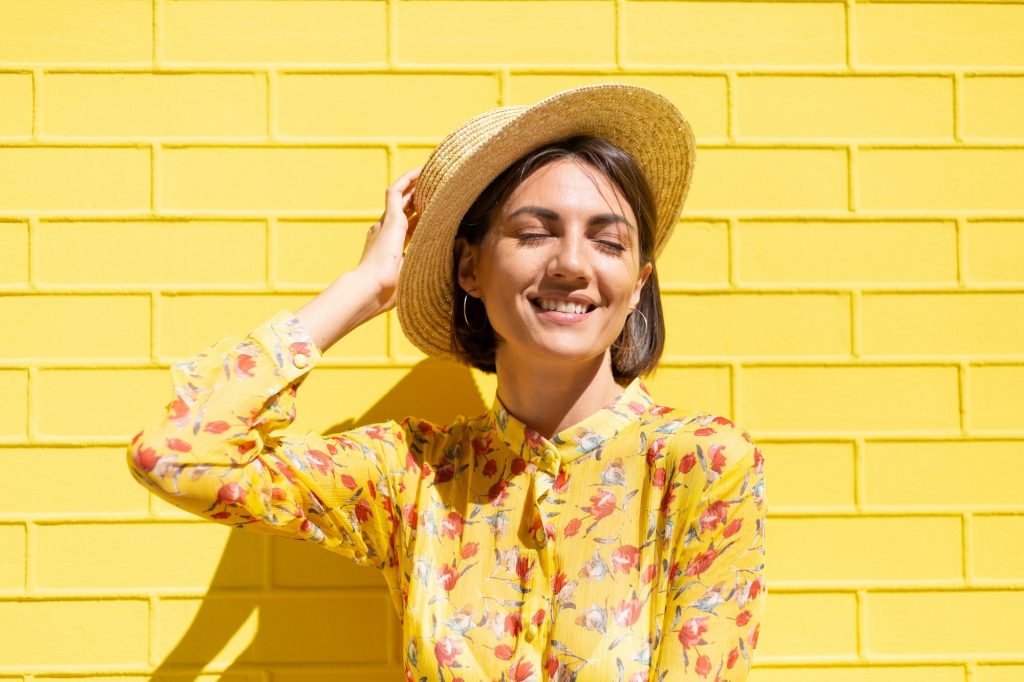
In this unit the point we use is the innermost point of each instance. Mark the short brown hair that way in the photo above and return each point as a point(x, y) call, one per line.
point(639, 347)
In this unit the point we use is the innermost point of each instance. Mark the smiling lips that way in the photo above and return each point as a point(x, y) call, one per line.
point(571, 309)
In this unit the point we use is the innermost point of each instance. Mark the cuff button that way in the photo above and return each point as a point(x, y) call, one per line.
point(301, 360)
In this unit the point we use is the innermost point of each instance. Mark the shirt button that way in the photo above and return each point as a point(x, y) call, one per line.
point(531, 632)
point(301, 360)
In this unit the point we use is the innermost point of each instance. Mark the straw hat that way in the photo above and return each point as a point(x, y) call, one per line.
point(639, 121)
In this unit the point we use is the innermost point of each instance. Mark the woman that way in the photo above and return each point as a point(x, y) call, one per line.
point(577, 530)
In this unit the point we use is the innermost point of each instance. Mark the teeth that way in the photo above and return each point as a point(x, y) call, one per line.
point(563, 306)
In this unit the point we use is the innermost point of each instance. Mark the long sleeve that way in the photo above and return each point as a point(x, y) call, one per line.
point(219, 450)
point(717, 590)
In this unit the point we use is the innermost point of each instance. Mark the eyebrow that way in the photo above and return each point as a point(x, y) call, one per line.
point(548, 214)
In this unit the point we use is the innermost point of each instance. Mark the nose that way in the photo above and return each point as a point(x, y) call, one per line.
point(571, 259)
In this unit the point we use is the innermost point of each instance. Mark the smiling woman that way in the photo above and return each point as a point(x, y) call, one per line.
point(578, 530)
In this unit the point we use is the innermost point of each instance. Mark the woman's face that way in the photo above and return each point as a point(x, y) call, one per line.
point(559, 268)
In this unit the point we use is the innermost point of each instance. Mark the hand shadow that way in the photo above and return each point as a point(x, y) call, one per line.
point(296, 619)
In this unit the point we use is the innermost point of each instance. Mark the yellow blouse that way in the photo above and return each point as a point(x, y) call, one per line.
point(630, 546)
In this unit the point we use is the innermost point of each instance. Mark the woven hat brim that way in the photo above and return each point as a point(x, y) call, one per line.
point(638, 120)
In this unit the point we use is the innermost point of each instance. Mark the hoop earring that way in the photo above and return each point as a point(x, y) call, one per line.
point(465, 300)
point(630, 346)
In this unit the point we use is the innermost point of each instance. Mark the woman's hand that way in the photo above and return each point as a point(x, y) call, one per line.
point(388, 237)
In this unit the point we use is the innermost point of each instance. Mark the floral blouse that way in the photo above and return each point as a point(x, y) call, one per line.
point(629, 547)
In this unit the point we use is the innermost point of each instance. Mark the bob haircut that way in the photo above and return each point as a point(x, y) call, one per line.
point(638, 348)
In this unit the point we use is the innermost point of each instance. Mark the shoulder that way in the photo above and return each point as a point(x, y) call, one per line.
point(710, 439)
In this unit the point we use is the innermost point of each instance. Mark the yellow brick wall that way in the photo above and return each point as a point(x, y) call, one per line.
point(847, 283)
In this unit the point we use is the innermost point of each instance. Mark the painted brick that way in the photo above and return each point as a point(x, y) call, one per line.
point(306, 565)
point(757, 324)
point(61, 393)
point(701, 99)
point(13, 403)
point(722, 33)
point(994, 396)
point(937, 470)
point(995, 251)
point(510, 32)
point(339, 248)
point(272, 178)
point(317, 640)
point(818, 475)
point(830, 632)
point(998, 673)
point(77, 483)
point(74, 633)
point(918, 623)
point(139, 556)
point(12, 559)
point(916, 549)
point(997, 552)
point(991, 106)
point(379, 105)
point(845, 252)
point(872, 107)
point(941, 179)
point(183, 254)
point(692, 389)
point(64, 327)
point(16, 113)
point(697, 252)
point(938, 34)
point(234, 619)
point(154, 105)
point(262, 31)
point(886, 398)
point(85, 31)
point(13, 253)
point(855, 673)
point(48, 179)
point(943, 323)
point(764, 179)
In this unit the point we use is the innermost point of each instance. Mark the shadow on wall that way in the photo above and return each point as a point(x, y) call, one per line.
point(300, 617)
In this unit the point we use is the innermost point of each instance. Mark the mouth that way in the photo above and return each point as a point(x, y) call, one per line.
point(562, 306)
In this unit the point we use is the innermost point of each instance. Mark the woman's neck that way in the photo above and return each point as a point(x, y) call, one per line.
point(550, 397)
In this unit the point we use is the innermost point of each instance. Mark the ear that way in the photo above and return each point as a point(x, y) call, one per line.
point(467, 255)
point(645, 272)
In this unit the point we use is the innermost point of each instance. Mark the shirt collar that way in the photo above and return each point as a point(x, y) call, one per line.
point(582, 438)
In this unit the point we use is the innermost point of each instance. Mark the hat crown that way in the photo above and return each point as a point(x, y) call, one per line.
point(456, 147)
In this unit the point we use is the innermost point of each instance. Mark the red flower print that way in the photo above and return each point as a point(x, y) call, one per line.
point(285, 471)
point(753, 636)
point(178, 445)
point(244, 365)
point(561, 483)
point(426, 470)
point(504, 652)
point(445, 472)
point(692, 631)
point(219, 426)
point(658, 479)
point(522, 671)
point(733, 527)
point(666, 502)
point(490, 468)
point(451, 525)
point(497, 493)
point(743, 618)
point(654, 450)
point(448, 575)
point(624, 558)
point(246, 447)
point(277, 494)
point(319, 460)
point(518, 466)
point(446, 651)
point(145, 458)
point(658, 410)
point(640, 676)
point(627, 612)
point(538, 618)
point(349, 482)
point(637, 408)
point(647, 575)
point(702, 562)
point(469, 550)
point(524, 567)
point(755, 588)
point(687, 462)
point(481, 445)
point(363, 509)
point(231, 493)
point(220, 515)
point(513, 624)
point(602, 504)
point(425, 427)
point(724, 421)
point(375, 432)
point(533, 439)
point(703, 665)
point(716, 457)
point(551, 666)
point(572, 528)
point(177, 412)
point(706, 431)
point(733, 655)
point(714, 514)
